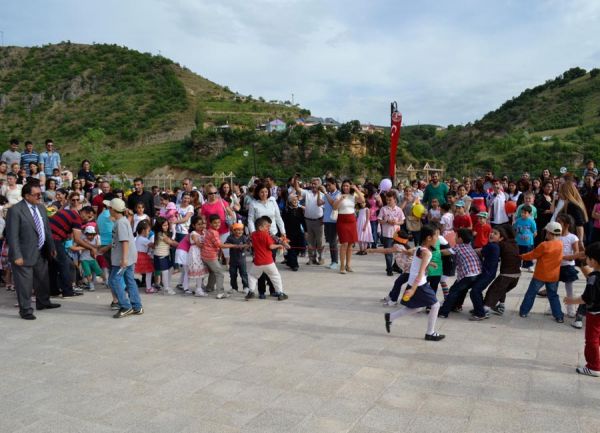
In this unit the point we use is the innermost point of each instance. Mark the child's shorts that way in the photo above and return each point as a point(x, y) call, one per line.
point(424, 297)
point(162, 263)
point(568, 274)
point(91, 267)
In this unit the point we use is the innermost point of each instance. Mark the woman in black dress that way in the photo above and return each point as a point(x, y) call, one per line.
point(544, 203)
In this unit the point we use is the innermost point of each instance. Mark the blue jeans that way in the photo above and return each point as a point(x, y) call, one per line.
point(374, 226)
point(389, 258)
point(531, 293)
point(456, 292)
point(125, 287)
point(480, 284)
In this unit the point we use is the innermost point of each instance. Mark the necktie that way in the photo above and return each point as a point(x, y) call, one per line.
point(39, 228)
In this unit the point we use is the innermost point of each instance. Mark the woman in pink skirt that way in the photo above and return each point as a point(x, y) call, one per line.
point(346, 222)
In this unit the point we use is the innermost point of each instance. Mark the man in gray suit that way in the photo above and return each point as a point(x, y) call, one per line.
point(30, 245)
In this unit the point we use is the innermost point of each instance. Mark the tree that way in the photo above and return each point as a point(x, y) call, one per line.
point(594, 73)
point(95, 149)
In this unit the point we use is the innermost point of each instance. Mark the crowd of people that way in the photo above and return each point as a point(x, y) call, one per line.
point(61, 238)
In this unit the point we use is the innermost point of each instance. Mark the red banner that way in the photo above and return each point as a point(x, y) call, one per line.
point(394, 137)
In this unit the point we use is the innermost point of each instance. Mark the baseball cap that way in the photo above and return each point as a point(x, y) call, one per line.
point(237, 226)
point(90, 230)
point(554, 228)
point(459, 203)
point(483, 215)
point(115, 204)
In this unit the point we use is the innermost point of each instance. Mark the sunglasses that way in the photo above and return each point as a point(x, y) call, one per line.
point(211, 193)
point(75, 199)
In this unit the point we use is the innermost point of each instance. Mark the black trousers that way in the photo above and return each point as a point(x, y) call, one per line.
point(61, 279)
point(28, 278)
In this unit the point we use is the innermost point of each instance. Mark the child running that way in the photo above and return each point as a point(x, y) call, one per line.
point(591, 298)
point(403, 258)
point(420, 294)
point(263, 243)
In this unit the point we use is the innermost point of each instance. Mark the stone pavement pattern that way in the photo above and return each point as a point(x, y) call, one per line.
point(319, 362)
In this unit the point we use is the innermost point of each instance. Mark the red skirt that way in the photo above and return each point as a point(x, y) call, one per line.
point(346, 229)
point(144, 264)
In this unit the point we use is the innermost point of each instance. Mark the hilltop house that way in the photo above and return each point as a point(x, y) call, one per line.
point(370, 129)
point(328, 122)
point(276, 125)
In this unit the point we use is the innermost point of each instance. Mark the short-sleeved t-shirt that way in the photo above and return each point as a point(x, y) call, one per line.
point(261, 241)
point(461, 222)
point(122, 232)
point(524, 230)
point(63, 222)
point(105, 227)
point(141, 244)
point(568, 242)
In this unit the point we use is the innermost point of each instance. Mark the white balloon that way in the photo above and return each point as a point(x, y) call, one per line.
point(385, 185)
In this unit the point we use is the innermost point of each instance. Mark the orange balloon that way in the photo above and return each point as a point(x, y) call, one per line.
point(510, 207)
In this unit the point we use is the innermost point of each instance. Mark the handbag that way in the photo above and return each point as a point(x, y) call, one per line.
point(229, 219)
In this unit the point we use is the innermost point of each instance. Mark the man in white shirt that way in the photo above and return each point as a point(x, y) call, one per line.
point(313, 215)
point(496, 200)
point(12, 155)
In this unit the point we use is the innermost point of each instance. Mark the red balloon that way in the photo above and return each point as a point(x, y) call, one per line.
point(510, 207)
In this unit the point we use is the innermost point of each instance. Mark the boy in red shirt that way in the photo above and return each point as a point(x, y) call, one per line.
point(263, 244)
point(461, 219)
point(481, 230)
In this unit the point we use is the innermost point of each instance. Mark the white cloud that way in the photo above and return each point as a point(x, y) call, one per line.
point(443, 63)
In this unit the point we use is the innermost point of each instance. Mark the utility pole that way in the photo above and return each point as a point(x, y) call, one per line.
point(292, 99)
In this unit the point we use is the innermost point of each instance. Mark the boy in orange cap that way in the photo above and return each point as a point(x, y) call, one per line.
point(238, 243)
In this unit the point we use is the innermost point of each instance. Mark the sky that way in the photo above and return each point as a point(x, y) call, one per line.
point(443, 62)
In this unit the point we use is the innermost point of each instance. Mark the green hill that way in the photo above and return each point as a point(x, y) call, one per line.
point(136, 112)
point(101, 98)
point(552, 125)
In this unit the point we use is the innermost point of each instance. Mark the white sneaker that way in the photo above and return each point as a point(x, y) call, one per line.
point(188, 292)
point(91, 287)
point(571, 310)
point(390, 303)
point(170, 292)
point(200, 294)
point(578, 324)
point(223, 295)
point(334, 266)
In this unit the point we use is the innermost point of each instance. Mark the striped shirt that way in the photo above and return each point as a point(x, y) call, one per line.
point(63, 222)
point(467, 261)
point(211, 246)
point(28, 158)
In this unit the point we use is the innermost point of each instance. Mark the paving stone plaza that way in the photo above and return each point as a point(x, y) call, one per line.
point(318, 362)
